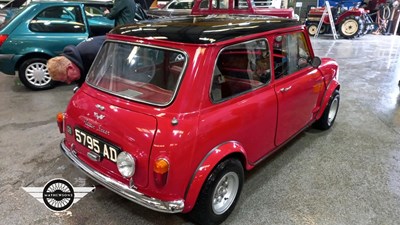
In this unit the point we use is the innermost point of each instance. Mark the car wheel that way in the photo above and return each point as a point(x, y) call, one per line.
point(350, 27)
point(219, 193)
point(328, 117)
point(34, 75)
point(312, 29)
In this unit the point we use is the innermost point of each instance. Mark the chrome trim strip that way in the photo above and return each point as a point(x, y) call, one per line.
point(6, 56)
point(175, 206)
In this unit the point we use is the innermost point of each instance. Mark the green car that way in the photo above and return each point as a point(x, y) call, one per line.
point(30, 35)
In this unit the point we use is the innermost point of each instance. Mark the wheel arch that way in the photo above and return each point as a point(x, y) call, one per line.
point(226, 150)
point(29, 56)
point(332, 87)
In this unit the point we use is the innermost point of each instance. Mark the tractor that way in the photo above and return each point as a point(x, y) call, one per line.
point(350, 23)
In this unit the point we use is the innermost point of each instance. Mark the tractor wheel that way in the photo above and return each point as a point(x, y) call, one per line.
point(350, 27)
point(312, 29)
point(323, 29)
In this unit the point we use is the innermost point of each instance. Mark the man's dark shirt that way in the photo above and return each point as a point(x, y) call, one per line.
point(123, 12)
point(83, 55)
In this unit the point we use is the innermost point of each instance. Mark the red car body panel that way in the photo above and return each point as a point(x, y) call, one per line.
point(192, 132)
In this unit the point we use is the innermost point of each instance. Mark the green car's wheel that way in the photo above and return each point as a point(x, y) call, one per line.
point(34, 75)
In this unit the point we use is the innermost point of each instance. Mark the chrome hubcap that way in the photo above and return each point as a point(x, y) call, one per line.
point(225, 193)
point(333, 110)
point(37, 74)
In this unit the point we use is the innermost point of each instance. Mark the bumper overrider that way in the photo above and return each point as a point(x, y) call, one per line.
point(122, 189)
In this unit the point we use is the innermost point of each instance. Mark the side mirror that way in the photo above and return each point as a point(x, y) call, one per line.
point(315, 62)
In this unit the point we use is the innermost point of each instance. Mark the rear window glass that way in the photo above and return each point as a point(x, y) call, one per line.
point(7, 15)
point(141, 73)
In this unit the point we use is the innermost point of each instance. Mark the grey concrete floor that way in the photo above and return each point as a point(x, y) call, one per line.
point(347, 175)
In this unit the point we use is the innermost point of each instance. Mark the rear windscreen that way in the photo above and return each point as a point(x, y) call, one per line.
point(140, 73)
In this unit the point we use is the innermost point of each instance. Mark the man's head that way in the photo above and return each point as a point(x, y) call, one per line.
point(62, 69)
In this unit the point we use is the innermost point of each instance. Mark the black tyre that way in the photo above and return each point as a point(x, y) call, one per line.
point(323, 29)
point(312, 29)
point(328, 118)
point(350, 27)
point(34, 75)
point(219, 193)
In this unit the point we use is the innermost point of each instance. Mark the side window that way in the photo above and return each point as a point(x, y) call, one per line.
point(241, 4)
point(204, 4)
point(291, 54)
point(241, 68)
point(92, 11)
point(58, 19)
point(181, 5)
point(220, 4)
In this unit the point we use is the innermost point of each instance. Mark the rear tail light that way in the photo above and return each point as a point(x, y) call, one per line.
point(60, 122)
point(161, 168)
point(3, 38)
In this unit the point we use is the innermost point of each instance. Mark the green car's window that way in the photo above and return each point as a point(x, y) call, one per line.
point(92, 11)
point(58, 19)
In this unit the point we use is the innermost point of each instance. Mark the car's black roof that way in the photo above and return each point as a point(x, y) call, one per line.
point(204, 29)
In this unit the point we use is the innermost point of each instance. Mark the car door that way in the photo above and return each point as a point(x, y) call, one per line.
point(244, 104)
point(97, 23)
point(59, 25)
point(297, 84)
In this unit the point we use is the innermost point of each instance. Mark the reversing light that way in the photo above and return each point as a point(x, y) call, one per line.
point(161, 168)
point(60, 122)
point(126, 164)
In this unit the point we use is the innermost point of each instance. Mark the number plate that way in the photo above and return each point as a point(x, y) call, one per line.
point(97, 145)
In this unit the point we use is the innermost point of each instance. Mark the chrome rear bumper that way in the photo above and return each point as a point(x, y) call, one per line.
point(122, 189)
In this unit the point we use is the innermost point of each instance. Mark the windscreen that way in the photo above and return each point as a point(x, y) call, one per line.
point(140, 73)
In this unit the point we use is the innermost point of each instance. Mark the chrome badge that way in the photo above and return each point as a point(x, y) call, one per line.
point(98, 116)
point(100, 107)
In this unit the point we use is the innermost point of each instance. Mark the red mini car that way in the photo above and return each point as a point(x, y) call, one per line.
point(173, 112)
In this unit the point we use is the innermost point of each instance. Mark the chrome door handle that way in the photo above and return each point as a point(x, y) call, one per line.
point(286, 89)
